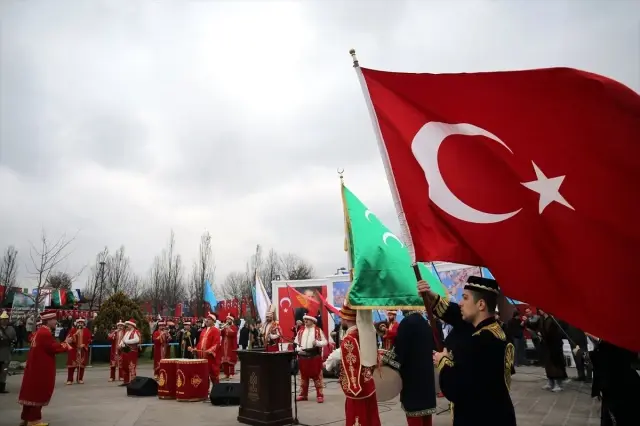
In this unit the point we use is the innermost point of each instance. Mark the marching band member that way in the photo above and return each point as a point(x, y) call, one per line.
point(39, 376)
point(413, 341)
point(477, 377)
point(228, 354)
point(115, 359)
point(207, 348)
point(187, 338)
point(310, 340)
point(78, 356)
point(161, 349)
point(390, 331)
point(359, 357)
point(129, 349)
point(271, 332)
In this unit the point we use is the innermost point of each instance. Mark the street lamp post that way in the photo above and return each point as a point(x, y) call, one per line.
point(101, 283)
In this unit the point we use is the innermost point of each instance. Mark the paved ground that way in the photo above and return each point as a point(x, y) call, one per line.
point(98, 403)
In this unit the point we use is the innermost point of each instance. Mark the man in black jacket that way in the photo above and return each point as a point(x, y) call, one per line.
point(413, 340)
point(515, 330)
point(476, 378)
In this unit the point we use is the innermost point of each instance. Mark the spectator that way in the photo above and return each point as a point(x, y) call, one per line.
point(243, 342)
point(515, 328)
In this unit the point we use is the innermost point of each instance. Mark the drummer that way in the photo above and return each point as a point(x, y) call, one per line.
point(207, 347)
point(413, 341)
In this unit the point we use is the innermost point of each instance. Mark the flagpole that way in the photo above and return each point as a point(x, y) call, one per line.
point(404, 226)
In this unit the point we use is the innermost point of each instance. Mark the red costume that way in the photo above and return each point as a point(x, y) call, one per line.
point(39, 376)
point(228, 355)
point(392, 330)
point(78, 356)
point(271, 331)
point(310, 341)
point(129, 345)
point(356, 380)
point(115, 359)
point(208, 347)
point(161, 348)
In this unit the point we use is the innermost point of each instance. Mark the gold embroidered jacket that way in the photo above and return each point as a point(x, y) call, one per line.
point(476, 378)
point(356, 380)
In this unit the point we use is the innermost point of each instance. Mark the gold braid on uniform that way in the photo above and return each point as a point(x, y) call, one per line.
point(441, 306)
point(495, 329)
point(446, 360)
point(509, 352)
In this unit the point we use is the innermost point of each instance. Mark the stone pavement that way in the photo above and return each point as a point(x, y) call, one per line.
point(99, 403)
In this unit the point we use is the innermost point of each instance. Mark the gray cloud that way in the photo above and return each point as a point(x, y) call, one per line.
point(128, 119)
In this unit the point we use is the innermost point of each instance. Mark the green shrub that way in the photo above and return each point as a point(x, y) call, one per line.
point(119, 307)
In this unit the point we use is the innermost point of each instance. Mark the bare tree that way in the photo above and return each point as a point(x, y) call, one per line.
point(236, 286)
point(173, 289)
point(134, 287)
point(45, 258)
point(295, 268)
point(93, 287)
point(154, 288)
point(203, 270)
point(118, 272)
point(271, 267)
point(8, 271)
point(60, 280)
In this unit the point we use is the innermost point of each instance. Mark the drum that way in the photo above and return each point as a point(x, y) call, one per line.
point(387, 379)
point(167, 379)
point(192, 380)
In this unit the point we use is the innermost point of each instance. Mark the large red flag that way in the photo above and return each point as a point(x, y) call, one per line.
point(309, 303)
point(531, 173)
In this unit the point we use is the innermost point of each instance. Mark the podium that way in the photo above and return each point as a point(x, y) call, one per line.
point(265, 377)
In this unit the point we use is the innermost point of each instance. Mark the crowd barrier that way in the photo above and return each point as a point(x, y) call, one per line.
point(91, 347)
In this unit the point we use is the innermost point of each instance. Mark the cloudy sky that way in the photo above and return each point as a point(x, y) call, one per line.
point(126, 119)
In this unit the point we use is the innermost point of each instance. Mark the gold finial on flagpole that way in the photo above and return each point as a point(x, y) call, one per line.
point(352, 52)
point(341, 173)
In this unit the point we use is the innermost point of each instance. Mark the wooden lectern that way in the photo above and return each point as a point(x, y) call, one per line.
point(265, 377)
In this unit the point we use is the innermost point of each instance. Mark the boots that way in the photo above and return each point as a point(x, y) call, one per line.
point(3, 388)
point(304, 390)
point(319, 384)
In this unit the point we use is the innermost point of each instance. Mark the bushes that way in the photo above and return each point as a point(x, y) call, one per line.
point(119, 307)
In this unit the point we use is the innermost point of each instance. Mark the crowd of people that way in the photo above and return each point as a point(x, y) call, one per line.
point(474, 357)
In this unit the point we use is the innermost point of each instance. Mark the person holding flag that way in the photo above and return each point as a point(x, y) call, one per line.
point(478, 379)
point(271, 332)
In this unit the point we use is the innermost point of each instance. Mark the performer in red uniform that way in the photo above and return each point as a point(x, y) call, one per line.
point(310, 341)
point(228, 354)
point(39, 376)
point(391, 331)
point(129, 349)
point(208, 347)
point(271, 333)
point(160, 340)
point(356, 379)
point(78, 355)
point(115, 359)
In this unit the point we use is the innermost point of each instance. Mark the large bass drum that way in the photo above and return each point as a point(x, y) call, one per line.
point(387, 379)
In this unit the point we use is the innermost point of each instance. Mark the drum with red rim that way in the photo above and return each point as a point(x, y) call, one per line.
point(167, 379)
point(192, 380)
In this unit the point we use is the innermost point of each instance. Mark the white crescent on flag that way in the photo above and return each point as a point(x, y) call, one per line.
point(285, 308)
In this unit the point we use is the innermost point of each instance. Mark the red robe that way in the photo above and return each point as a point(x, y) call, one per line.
point(356, 380)
point(228, 354)
point(39, 376)
point(271, 329)
point(115, 360)
point(207, 348)
point(130, 359)
point(390, 336)
point(79, 356)
point(160, 348)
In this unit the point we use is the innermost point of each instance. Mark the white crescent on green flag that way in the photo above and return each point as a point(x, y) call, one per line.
point(383, 276)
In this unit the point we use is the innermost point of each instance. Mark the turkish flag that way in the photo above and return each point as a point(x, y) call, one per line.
point(532, 174)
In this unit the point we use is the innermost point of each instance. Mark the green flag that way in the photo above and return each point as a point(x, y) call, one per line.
point(383, 276)
point(71, 296)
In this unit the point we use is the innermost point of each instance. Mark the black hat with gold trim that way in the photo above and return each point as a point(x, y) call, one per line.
point(482, 284)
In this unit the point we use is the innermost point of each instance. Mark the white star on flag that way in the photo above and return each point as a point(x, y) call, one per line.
point(548, 188)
